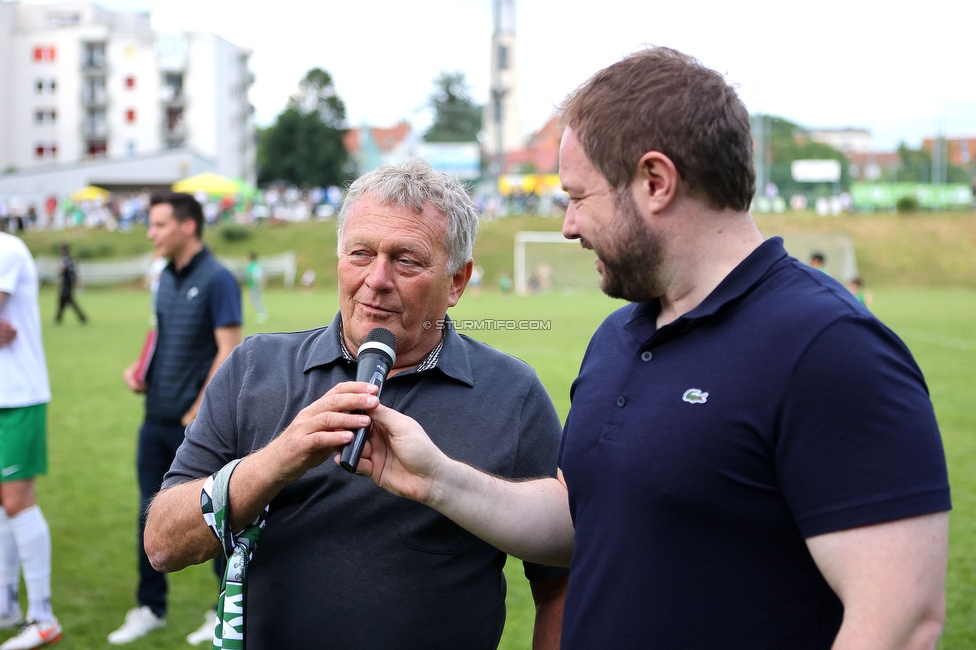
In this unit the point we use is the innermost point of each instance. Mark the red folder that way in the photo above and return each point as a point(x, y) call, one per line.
point(145, 357)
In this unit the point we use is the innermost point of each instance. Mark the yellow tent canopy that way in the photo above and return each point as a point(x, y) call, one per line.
point(90, 193)
point(208, 182)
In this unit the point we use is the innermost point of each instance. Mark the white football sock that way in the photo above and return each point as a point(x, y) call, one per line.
point(9, 568)
point(34, 545)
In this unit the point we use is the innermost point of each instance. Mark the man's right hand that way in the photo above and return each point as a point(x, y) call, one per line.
point(319, 430)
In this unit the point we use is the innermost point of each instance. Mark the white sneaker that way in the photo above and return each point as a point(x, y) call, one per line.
point(34, 634)
point(11, 621)
point(205, 632)
point(139, 622)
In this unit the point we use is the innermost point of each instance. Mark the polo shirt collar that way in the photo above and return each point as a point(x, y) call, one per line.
point(452, 361)
point(736, 284)
point(193, 263)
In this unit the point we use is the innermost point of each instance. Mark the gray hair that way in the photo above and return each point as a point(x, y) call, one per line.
point(414, 184)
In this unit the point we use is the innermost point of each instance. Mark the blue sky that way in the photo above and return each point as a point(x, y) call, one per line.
point(901, 71)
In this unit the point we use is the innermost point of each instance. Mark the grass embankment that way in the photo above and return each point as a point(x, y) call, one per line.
point(917, 250)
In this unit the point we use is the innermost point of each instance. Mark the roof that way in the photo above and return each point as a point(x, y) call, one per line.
point(386, 139)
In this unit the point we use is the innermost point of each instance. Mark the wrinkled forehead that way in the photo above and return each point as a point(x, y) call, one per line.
point(372, 219)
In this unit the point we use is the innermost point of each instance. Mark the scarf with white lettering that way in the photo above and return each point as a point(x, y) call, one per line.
point(238, 549)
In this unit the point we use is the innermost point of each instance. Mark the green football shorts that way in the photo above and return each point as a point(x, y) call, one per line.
point(23, 442)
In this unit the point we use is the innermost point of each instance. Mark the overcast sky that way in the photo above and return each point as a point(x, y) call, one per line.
point(903, 71)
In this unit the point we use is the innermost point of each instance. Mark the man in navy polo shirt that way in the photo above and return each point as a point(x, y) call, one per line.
point(198, 315)
point(751, 459)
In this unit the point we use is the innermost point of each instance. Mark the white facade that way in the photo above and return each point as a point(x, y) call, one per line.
point(81, 83)
point(846, 140)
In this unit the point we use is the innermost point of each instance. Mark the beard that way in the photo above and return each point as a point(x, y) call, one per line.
point(631, 256)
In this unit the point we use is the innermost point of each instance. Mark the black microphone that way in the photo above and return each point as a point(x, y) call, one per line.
point(376, 356)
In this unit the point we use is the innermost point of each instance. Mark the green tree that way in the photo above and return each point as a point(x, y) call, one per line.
point(317, 94)
point(456, 117)
point(916, 167)
point(788, 142)
point(304, 145)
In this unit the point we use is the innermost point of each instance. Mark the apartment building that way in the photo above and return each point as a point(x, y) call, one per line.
point(79, 83)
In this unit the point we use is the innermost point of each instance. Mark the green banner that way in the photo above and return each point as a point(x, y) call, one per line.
point(884, 196)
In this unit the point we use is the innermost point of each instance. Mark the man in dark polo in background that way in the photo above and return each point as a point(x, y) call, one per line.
point(198, 311)
point(339, 562)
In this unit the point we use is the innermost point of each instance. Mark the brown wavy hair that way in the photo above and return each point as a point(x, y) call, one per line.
point(662, 100)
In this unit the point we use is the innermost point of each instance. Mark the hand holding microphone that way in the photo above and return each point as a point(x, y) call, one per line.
point(377, 355)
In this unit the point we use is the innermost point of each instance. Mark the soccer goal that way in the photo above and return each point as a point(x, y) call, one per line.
point(547, 261)
point(837, 249)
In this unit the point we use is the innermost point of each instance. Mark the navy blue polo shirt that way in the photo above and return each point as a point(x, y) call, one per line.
point(190, 305)
point(700, 455)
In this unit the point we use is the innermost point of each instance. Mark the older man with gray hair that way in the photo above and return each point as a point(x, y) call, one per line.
point(322, 555)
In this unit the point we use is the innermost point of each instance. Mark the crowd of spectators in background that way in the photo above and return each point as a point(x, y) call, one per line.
point(123, 210)
point(275, 204)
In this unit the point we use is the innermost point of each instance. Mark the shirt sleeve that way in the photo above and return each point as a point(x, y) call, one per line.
point(225, 301)
point(859, 443)
point(210, 440)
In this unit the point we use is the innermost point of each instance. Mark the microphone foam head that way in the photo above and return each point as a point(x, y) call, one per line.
point(380, 340)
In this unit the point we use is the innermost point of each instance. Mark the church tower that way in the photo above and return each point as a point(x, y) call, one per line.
point(503, 133)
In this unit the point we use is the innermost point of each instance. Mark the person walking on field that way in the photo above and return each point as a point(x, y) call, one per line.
point(255, 284)
point(25, 540)
point(68, 276)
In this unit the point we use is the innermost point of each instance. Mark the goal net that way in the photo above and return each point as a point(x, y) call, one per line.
point(547, 261)
point(836, 248)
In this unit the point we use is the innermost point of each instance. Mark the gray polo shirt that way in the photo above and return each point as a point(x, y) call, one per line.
point(342, 562)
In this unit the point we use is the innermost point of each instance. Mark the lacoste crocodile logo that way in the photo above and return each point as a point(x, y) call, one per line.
point(695, 396)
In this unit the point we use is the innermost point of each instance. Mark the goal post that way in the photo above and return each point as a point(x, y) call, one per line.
point(547, 261)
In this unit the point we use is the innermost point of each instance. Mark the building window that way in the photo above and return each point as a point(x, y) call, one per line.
point(502, 57)
point(130, 116)
point(45, 116)
point(45, 150)
point(39, 86)
point(96, 149)
point(93, 55)
point(44, 53)
point(130, 82)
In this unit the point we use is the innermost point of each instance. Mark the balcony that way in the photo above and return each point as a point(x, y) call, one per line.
point(170, 96)
point(94, 130)
point(91, 98)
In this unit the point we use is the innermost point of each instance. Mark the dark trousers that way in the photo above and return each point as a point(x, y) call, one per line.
point(67, 300)
point(156, 451)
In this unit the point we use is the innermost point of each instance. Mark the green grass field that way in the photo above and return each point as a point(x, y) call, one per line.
point(90, 496)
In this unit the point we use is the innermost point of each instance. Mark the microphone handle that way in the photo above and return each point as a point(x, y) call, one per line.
point(352, 451)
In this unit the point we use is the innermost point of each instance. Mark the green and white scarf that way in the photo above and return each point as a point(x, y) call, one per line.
point(238, 549)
